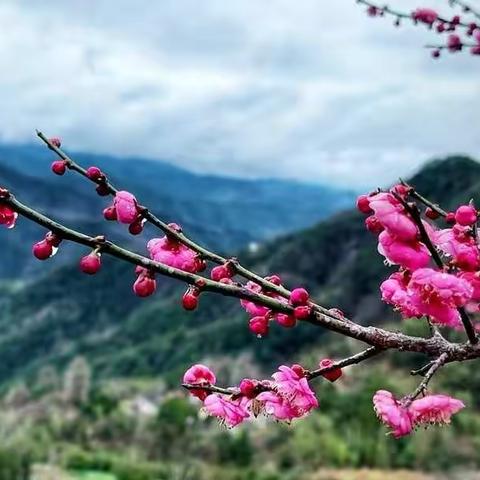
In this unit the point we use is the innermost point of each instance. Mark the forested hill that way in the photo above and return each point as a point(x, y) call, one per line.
point(65, 313)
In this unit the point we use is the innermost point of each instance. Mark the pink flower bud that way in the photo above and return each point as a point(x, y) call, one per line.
point(363, 204)
point(144, 286)
point(90, 264)
point(219, 272)
point(454, 43)
point(333, 375)
point(259, 325)
point(302, 312)
point(55, 141)
point(466, 215)
point(287, 321)
point(190, 299)
point(299, 296)
point(248, 388)
point(59, 167)
point(110, 213)
point(94, 173)
point(42, 250)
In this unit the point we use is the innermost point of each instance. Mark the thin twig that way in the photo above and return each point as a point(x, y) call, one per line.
point(354, 359)
point(399, 14)
point(467, 8)
point(435, 365)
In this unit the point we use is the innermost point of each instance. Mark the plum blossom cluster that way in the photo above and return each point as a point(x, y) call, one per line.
point(261, 316)
point(288, 396)
point(418, 288)
point(462, 31)
point(437, 277)
point(403, 416)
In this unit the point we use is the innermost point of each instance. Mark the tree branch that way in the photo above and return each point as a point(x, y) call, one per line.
point(434, 366)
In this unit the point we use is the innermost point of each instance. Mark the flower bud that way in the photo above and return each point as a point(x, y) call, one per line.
point(90, 264)
point(287, 321)
point(94, 173)
point(248, 388)
point(259, 326)
point(102, 190)
point(190, 299)
point(110, 213)
point(302, 312)
point(466, 215)
point(59, 167)
point(363, 204)
point(145, 285)
point(136, 228)
point(431, 213)
point(42, 250)
point(219, 272)
point(332, 375)
point(299, 296)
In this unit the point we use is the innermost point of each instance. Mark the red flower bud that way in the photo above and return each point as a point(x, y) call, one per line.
point(259, 326)
point(90, 264)
point(373, 225)
point(248, 388)
point(298, 369)
point(363, 204)
point(299, 296)
point(94, 173)
point(450, 218)
point(431, 213)
point(145, 285)
point(136, 228)
point(59, 167)
point(332, 375)
point(190, 299)
point(102, 190)
point(110, 213)
point(222, 271)
point(287, 321)
point(42, 250)
point(302, 312)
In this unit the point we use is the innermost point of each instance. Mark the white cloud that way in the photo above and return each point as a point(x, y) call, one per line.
point(312, 90)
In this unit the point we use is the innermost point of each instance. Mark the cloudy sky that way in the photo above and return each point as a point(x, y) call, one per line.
point(305, 89)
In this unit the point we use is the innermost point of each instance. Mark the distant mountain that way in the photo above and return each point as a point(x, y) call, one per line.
point(223, 213)
point(65, 314)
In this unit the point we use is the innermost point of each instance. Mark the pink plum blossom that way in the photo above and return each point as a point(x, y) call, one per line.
point(411, 255)
point(126, 207)
point(278, 407)
point(231, 412)
point(295, 389)
point(392, 413)
point(173, 254)
point(439, 294)
point(434, 409)
point(425, 15)
point(202, 375)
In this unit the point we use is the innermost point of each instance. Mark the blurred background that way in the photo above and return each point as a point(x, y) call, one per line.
point(253, 124)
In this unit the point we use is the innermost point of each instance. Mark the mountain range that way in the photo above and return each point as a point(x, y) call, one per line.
point(224, 213)
point(62, 314)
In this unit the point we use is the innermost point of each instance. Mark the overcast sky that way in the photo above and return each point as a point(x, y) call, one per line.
point(305, 89)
